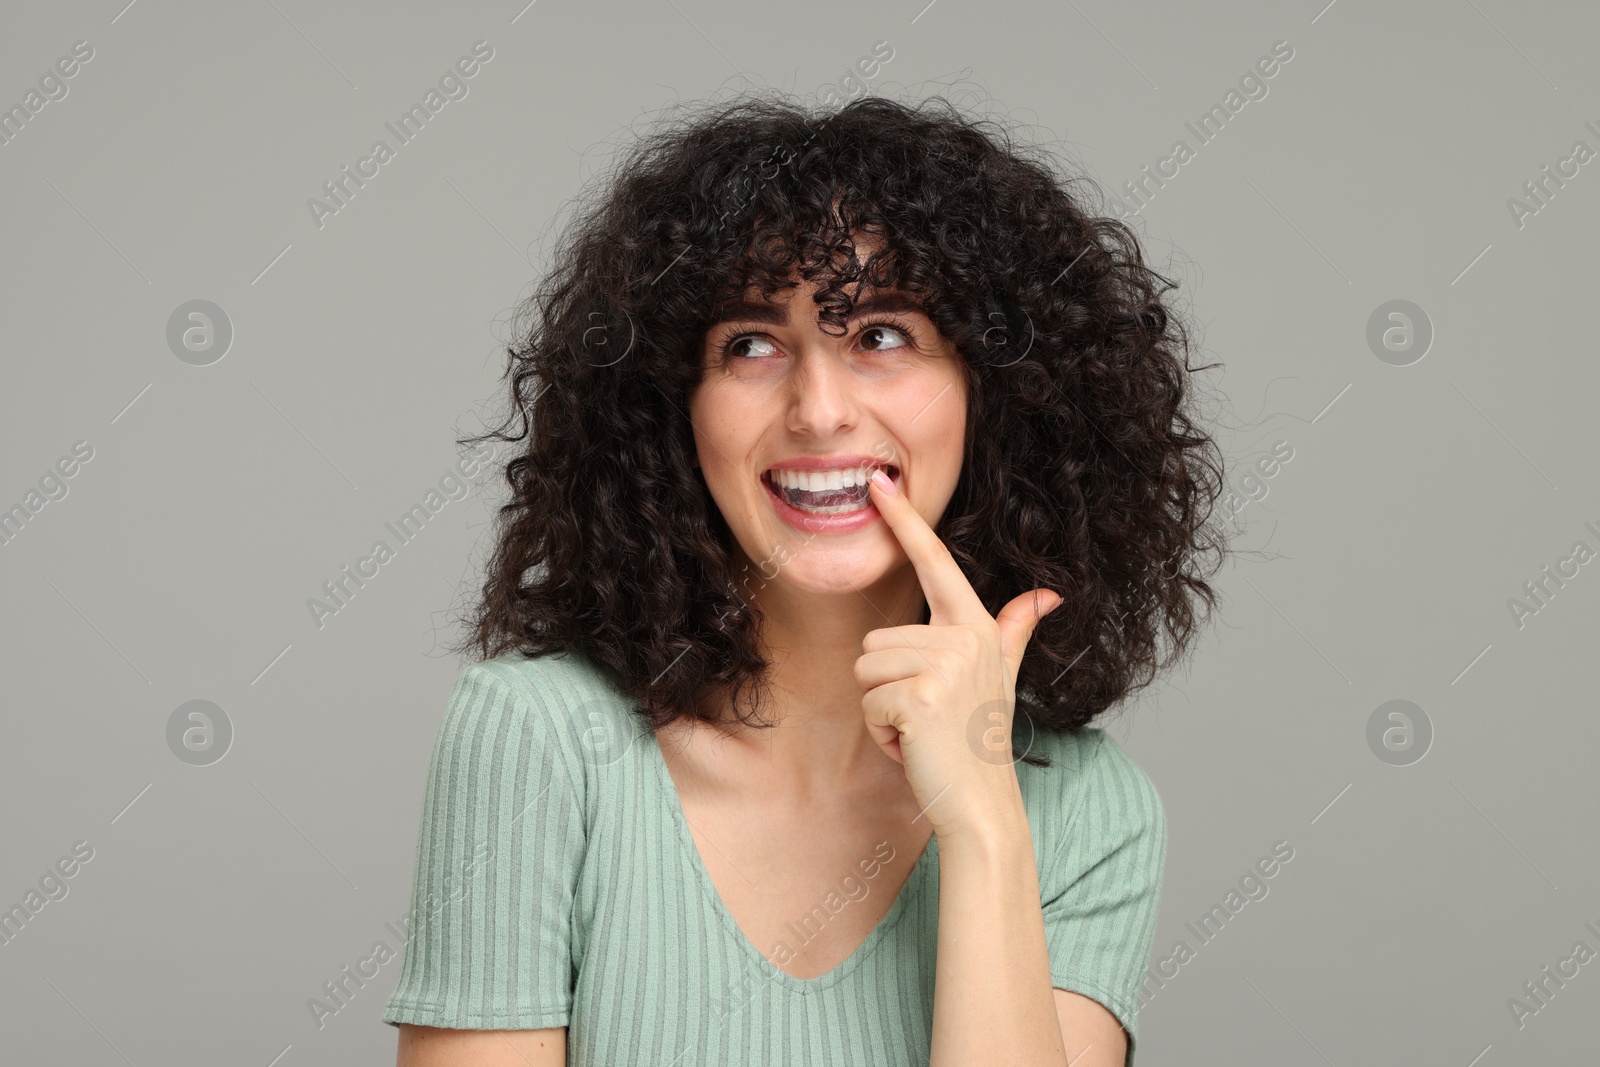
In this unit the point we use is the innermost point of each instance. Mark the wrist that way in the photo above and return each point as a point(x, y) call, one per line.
point(989, 827)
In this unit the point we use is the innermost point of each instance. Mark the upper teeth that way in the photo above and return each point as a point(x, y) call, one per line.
point(817, 481)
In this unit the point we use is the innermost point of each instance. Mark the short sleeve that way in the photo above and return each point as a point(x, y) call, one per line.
point(1100, 890)
point(489, 935)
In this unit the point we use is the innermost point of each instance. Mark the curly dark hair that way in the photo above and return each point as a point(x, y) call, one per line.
point(1083, 471)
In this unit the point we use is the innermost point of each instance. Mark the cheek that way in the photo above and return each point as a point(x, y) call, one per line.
point(722, 436)
point(945, 456)
point(711, 418)
point(940, 435)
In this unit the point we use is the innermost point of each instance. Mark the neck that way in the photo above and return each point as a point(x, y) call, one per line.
point(820, 743)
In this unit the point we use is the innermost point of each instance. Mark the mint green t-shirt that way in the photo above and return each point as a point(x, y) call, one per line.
point(557, 884)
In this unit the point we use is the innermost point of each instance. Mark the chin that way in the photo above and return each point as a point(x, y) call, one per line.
point(835, 570)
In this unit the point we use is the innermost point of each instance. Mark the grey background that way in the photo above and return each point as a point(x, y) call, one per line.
point(1377, 567)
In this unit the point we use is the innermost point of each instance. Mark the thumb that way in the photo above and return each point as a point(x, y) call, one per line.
point(1017, 621)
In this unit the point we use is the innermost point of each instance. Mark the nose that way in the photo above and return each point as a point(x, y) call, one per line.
point(823, 399)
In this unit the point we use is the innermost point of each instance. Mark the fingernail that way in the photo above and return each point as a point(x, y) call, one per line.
point(884, 482)
point(1053, 607)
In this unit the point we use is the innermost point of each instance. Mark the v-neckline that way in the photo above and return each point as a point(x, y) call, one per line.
point(719, 907)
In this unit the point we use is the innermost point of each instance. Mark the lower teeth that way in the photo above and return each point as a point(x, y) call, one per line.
point(838, 510)
point(791, 499)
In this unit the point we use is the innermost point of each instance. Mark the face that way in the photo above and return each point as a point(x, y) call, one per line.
point(789, 420)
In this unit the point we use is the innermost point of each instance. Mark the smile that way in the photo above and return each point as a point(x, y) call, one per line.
point(825, 499)
point(825, 492)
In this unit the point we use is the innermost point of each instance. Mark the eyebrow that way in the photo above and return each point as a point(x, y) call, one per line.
point(778, 315)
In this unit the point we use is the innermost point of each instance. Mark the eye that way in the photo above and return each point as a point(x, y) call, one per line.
point(887, 327)
point(731, 346)
point(885, 335)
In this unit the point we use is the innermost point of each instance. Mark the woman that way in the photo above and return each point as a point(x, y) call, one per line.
point(773, 756)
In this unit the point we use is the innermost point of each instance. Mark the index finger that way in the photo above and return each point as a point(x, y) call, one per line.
point(950, 596)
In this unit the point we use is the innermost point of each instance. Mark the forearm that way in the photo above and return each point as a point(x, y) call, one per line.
point(993, 1001)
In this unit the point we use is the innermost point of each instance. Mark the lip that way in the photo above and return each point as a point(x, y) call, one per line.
point(810, 523)
point(841, 461)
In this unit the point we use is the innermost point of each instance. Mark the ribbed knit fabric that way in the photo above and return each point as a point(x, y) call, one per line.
point(557, 884)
